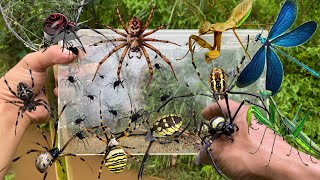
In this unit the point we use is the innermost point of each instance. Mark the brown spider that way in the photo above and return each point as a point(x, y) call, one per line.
point(135, 41)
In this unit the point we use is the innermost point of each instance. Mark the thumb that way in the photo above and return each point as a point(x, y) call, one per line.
point(42, 59)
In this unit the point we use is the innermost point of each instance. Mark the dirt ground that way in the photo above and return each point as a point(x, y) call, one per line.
point(25, 168)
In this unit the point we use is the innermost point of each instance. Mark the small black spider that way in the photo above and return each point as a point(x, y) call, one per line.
point(79, 119)
point(90, 96)
point(117, 82)
point(74, 80)
point(134, 116)
point(111, 110)
point(26, 95)
point(82, 136)
point(101, 76)
point(165, 96)
point(158, 66)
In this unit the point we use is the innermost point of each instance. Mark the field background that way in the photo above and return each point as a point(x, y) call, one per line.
point(298, 87)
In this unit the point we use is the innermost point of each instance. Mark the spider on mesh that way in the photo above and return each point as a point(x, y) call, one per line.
point(89, 95)
point(135, 116)
point(79, 119)
point(115, 157)
point(135, 41)
point(45, 159)
point(26, 95)
point(72, 79)
point(116, 83)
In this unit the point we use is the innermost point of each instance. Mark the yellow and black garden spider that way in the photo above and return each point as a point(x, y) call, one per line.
point(115, 157)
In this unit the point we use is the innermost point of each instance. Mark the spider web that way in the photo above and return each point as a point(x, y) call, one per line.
point(25, 19)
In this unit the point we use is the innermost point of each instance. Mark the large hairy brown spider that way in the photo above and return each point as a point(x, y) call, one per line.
point(135, 41)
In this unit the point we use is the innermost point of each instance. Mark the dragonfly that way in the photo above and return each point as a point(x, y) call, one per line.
point(277, 38)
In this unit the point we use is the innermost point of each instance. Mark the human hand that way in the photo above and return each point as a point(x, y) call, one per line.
point(235, 160)
point(38, 62)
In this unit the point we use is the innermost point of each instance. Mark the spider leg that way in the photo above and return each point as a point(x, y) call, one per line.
point(41, 102)
point(158, 40)
point(106, 41)
point(98, 32)
point(144, 160)
point(131, 156)
point(32, 80)
point(77, 85)
point(9, 87)
point(149, 19)
point(28, 152)
point(120, 19)
point(162, 56)
point(140, 55)
point(44, 136)
point(116, 31)
point(95, 135)
point(74, 155)
point(208, 149)
point(61, 165)
point(245, 50)
point(121, 61)
point(77, 37)
point(56, 124)
point(102, 164)
point(153, 31)
point(20, 112)
point(129, 54)
point(15, 102)
point(107, 56)
point(45, 176)
point(149, 64)
point(254, 95)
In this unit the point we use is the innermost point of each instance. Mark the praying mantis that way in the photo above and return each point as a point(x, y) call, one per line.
point(291, 131)
point(239, 14)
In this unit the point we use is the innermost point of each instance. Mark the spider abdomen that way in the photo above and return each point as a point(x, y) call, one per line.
point(218, 80)
point(116, 160)
point(54, 23)
point(167, 125)
point(43, 162)
point(24, 92)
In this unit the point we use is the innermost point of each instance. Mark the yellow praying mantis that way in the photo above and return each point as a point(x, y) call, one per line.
point(239, 14)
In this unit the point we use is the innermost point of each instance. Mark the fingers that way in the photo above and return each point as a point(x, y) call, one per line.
point(213, 110)
point(41, 60)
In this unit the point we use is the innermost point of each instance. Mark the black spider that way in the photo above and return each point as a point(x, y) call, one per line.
point(116, 83)
point(91, 97)
point(101, 76)
point(158, 67)
point(79, 119)
point(26, 95)
point(134, 116)
point(165, 96)
point(82, 136)
point(74, 80)
point(111, 110)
